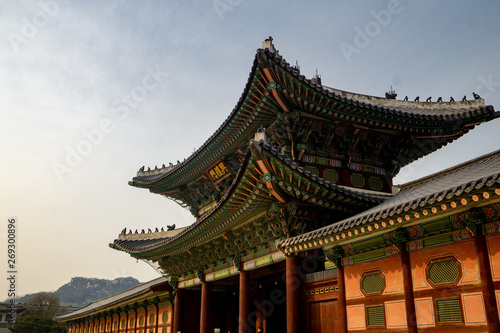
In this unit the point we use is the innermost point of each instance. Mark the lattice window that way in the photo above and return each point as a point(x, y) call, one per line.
point(448, 311)
point(151, 319)
point(443, 271)
point(375, 183)
point(123, 323)
point(357, 180)
point(330, 175)
point(131, 323)
point(164, 317)
point(372, 283)
point(375, 316)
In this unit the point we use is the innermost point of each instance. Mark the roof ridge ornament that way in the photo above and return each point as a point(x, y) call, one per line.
point(261, 135)
point(268, 44)
point(391, 94)
point(317, 78)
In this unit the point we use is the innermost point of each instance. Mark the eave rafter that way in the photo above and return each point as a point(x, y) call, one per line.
point(269, 182)
point(248, 199)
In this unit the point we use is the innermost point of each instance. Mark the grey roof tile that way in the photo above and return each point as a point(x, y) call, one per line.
point(475, 174)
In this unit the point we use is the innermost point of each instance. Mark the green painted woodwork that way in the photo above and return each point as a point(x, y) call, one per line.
point(250, 201)
point(348, 130)
point(375, 316)
point(372, 283)
point(323, 132)
point(443, 271)
point(448, 311)
point(369, 244)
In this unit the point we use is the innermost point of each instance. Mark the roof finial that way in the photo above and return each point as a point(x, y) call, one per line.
point(317, 78)
point(268, 44)
point(391, 94)
point(297, 67)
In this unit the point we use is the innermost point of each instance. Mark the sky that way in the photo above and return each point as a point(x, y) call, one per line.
point(90, 91)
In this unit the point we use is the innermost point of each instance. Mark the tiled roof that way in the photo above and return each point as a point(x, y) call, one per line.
point(464, 178)
point(438, 109)
point(133, 245)
point(434, 114)
point(107, 302)
point(349, 192)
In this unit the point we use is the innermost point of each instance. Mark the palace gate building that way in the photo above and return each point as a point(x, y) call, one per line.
point(300, 229)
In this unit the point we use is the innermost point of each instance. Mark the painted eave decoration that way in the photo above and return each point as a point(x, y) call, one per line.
point(474, 184)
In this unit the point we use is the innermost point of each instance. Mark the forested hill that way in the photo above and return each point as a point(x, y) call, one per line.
point(83, 291)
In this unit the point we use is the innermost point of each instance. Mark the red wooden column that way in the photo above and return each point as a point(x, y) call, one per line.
point(205, 307)
point(244, 303)
point(341, 300)
point(411, 314)
point(177, 311)
point(292, 295)
point(488, 288)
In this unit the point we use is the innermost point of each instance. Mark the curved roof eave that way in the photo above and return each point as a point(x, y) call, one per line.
point(153, 244)
point(443, 111)
point(452, 182)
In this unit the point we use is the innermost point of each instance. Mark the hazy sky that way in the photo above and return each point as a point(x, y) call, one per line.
point(90, 91)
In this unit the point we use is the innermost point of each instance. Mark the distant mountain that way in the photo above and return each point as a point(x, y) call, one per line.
point(83, 291)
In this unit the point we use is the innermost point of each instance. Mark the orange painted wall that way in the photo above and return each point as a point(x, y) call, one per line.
point(473, 308)
point(472, 303)
point(390, 267)
point(356, 317)
point(493, 242)
point(165, 321)
point(141, 314)
point(151, 327)
point(109, 325)
point(123, 317)
point(115, 324)
point(102, 325)
point(394, 310)
point(464, 252)
point(130, 328)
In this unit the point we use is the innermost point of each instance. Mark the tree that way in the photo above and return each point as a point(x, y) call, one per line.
point(46, 304)
point(33, 322)
point(38, 316)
